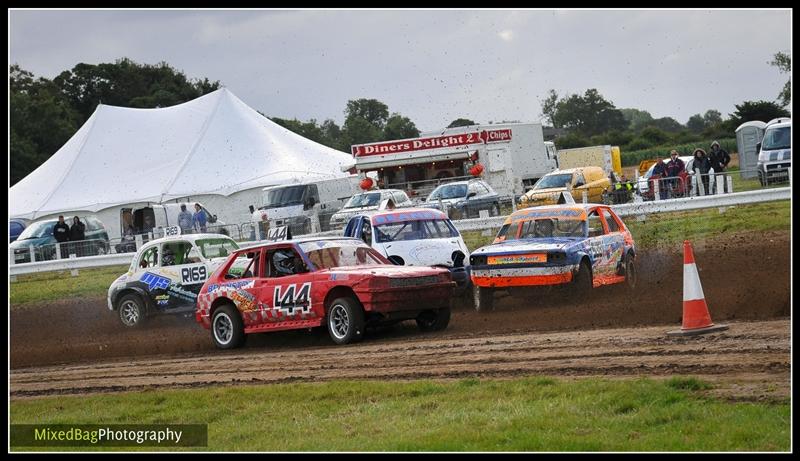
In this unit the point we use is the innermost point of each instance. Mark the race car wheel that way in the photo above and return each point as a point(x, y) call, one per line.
point(227, 329)
point(131, 311)
point(434, 320)
point(484, 298)
point(630, 271)
point(345, 321)
point(583, 279)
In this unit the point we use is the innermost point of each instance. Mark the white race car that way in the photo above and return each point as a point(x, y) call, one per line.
point(166, 275)
point(415, 237)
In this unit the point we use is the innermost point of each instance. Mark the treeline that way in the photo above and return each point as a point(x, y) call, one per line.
point(590, 119)
point(45, 113)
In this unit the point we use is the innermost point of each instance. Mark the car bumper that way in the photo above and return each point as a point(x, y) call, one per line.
point(418, 298)
point(522, 276)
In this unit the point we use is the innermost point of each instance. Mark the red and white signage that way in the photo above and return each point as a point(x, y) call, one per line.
point(438, 142)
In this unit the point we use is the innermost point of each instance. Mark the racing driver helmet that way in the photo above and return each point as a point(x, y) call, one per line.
point(283, 260)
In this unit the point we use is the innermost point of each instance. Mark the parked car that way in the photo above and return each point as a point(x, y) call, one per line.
point(15, 227)
point(39, 235)
point(547, 190)
point(166, 275)
point(464, 199)
point(415, 237)
point(338, 282)
point(368, 201)
point(586, 245)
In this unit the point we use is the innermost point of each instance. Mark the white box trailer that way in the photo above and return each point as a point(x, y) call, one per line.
point(511, 154)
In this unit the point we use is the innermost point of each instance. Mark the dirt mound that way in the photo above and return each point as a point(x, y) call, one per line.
point(744, 276)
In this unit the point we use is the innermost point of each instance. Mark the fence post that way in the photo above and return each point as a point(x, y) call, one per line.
point(585, 197)
point(58, 250)
point(720, 185)
point(74, 272)
point(138, 240)
point(656, 191)
point(730, 183)
point(11, 259)
point(32, 253)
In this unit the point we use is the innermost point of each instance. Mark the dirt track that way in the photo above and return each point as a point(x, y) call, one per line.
point(744, 278)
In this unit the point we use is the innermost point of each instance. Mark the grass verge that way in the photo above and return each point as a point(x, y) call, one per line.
point(530, 414)
point(56, 285)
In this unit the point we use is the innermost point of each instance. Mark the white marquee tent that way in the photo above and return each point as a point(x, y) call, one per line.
point(215, 144)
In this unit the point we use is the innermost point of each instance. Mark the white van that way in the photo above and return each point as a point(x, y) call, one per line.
point(306, 207)
point(150, 218)
point(775, 151)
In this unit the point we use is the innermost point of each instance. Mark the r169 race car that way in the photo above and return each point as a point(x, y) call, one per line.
point(166, 274)
point(587, 245)
point(335, 281)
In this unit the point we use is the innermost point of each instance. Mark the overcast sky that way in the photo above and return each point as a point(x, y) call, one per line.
point(431, 66)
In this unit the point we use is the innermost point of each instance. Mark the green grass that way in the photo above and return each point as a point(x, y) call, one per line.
point(50, 286)
point(671, 228)
point(531, 414)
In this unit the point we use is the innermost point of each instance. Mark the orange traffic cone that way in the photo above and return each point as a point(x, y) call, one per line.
point(696, 319)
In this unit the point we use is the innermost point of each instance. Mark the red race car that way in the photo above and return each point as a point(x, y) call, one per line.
point(301, 284)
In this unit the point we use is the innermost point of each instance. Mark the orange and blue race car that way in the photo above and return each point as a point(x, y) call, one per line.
point(586, 245)
point(305, 283)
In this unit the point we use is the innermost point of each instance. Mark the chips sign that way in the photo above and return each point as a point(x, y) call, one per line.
point(172, 231)
point(279, 233)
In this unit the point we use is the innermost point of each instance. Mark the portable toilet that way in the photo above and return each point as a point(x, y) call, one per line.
point(748, 135)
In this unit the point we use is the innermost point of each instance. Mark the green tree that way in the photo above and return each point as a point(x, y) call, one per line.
point(696, 123)
point(399, 127)
point(655, 136)
point(128, 84)
point(588, 115)
point(549, 107)
point(667, 124)
point(637, 119)
point(461, 122)
point(784, 64)
point(712, 117)
point(756, 110)
point(41, 121)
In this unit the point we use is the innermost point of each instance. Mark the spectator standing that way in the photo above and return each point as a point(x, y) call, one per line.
point(718, 159)
point(61, 233)
point(199, 218)
point(700, 166)
point(77, 234)
point(675, 167)
point(185, 220)
point(660, 171)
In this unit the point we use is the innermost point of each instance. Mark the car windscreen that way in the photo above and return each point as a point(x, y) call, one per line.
point(362, 200)
point(284, 196)
point(555, 180)
point(543, 228)
point(216, 247)
point(448, 191)
point(777, 138)
point(38, 230)
point(415, 230)
point(328, 254)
